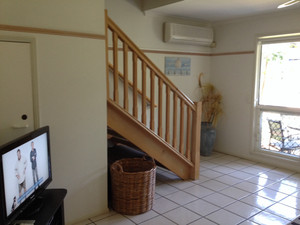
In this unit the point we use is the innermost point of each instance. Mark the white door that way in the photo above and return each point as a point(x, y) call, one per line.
point(16, 90)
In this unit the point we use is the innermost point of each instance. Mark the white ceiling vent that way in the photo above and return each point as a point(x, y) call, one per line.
point(186, 34)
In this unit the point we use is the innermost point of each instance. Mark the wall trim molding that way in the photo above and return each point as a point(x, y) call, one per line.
point(165, 52)
point(233, 53)
point(197, 54)
point(102, 37)
point(50, 32)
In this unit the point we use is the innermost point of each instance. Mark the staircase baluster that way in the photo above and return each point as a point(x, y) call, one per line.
point(152, 104)
point(135, 109)
point(115, 61)
point(125, 69)
point(144, 103)
point(188, 134)
point(175, 120)
point(167, 114)
point(160, 86)
point(181, 137)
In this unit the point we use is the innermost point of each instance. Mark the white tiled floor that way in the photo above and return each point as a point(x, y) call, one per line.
point(230, 191)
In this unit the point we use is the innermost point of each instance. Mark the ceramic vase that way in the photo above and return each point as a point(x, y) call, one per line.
point(208, 137)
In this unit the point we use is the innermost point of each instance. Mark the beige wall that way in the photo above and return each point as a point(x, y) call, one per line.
point(146, 30)
point(234, 76)
point(74, 15)
point(72, 95)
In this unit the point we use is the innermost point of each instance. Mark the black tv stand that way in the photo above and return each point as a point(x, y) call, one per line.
point(34, 207)
point(49, 208)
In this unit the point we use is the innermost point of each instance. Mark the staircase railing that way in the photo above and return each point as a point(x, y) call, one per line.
point(167, 112)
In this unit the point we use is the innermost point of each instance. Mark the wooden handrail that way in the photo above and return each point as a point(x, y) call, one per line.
point(181, 129)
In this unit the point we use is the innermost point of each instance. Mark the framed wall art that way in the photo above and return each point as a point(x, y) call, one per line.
point(177, 66)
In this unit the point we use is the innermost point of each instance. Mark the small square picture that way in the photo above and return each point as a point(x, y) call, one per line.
point(179, 66)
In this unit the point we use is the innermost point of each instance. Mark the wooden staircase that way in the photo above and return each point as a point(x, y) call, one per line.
point(147, 109)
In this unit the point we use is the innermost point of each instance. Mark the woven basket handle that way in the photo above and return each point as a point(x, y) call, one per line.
point(119, 167)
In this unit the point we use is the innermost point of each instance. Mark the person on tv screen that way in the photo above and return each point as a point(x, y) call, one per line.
point(14, 205)
point(33, 155)
point(20, 170)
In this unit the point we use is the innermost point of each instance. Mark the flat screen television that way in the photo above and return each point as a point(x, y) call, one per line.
point(25, 172)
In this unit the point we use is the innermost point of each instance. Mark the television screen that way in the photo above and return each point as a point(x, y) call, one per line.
point(26, 170)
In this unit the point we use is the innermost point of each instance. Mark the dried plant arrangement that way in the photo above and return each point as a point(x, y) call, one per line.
point(211, 102)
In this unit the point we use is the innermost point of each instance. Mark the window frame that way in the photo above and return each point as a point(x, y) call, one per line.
point(259, 109)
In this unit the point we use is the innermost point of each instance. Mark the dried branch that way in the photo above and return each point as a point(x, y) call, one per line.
point(211, 103)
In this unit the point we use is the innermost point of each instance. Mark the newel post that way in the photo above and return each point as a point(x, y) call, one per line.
point(196, 140)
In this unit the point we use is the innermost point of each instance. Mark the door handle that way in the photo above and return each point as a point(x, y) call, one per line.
point(20, 126)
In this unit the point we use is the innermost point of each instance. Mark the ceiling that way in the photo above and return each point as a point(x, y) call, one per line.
point(215, 10)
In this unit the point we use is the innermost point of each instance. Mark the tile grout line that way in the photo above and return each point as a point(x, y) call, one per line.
point(234, 185)
point(218, 163)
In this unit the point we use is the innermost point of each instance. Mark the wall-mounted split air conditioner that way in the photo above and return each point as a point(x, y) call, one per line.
point(186, 34)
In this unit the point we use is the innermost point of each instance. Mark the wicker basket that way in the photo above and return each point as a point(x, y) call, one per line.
point(133, 185)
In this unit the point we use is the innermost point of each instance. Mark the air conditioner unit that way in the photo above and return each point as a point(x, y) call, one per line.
point(186, 34)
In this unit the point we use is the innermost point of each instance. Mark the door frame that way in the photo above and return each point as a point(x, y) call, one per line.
point(34, 76)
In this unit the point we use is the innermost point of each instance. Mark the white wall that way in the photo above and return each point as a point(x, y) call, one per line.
point(73, 15)
point(72, 95)
point(234, 76)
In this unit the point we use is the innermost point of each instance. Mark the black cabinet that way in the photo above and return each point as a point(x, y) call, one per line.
point(49, 209)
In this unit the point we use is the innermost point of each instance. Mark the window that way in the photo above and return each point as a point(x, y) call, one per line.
point(277, 100)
